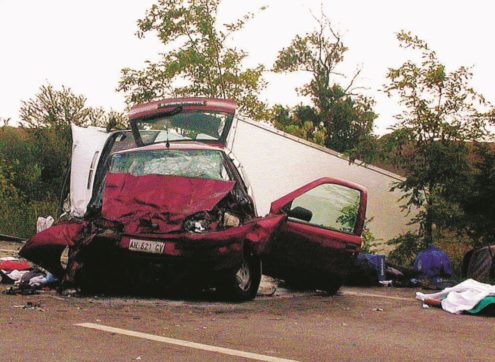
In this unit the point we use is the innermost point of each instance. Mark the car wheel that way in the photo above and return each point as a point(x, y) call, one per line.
point(241, 284)
point(332, 285)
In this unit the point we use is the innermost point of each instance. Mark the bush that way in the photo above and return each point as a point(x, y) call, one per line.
point(31, 173)
point(18, 217)
point(407, 247)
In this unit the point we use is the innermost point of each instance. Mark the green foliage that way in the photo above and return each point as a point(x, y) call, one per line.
point(17, 216)
point(300, 121)
point(369, 241)
point(196, 58)
point(344, 119)
point(20, 164)
point(407, 247)
point(57, 109)
point(7, 189)
point(25, 192)
point(348, 217)
point(34, 157)
point(441, 113)
point(475, 198)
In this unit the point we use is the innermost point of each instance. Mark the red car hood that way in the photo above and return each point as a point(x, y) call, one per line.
point(139, 201)
point(162, 200)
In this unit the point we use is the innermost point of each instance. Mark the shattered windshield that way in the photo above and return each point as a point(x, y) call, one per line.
point(207, 164)
point(185, 125)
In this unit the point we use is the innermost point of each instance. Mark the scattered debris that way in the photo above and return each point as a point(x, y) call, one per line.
point(44, 223)
point(31, 305)
point(21, 291)
point(434, 268)
point(386, 283)
point(10, 264)
point(27, 279)
point(12, 238)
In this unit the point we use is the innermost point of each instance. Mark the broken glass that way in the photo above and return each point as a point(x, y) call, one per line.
point(186, 125)
point(208, 164)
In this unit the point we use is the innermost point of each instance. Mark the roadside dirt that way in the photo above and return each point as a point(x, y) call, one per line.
point(390, 325)
point(357, 324)
point(8, 248)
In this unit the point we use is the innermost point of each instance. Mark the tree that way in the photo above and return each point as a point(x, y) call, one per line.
point(300, 121)
point(441, 113)
point(475, 197)
point(33, 157)
point(346, 117)
point(46, 119)
point(57, 109)
point(196, 60)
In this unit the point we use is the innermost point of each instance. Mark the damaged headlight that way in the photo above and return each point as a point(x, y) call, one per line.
point(213, 221)
point(230, 220)
point(198, 223)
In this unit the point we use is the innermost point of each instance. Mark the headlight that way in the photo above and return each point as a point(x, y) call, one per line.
point(230, 220)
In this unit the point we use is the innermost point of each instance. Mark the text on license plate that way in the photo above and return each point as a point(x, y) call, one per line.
point(147, 246)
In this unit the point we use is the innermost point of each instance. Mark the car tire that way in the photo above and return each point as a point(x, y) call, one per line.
point(241, 284)
point(332, 285)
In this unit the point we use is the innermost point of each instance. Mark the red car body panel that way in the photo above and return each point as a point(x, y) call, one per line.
point(188, 104)
point(165, 201)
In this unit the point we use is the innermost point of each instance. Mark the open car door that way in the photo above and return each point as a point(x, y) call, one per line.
point(91, 147)
point(315, 246)
point(87, 144)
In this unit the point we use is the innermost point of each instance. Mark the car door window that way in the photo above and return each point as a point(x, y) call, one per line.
point(330, 206)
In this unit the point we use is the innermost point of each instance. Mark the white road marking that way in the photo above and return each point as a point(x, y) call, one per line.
point(358, 294)
point(182, 343)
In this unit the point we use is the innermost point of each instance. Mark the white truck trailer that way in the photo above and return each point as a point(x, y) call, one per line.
point(277, 163)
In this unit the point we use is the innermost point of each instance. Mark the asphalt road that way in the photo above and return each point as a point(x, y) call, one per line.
point(357, 324)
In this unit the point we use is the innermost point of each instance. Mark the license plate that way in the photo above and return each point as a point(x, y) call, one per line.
point(147, 246)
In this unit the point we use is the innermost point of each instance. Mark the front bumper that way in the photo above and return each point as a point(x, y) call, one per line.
point(198, 256)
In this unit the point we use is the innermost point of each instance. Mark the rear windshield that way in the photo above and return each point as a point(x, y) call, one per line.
point(186, 125)
point(209, 164)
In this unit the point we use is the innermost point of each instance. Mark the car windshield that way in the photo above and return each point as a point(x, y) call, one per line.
point(184, 125)
point(209, 164)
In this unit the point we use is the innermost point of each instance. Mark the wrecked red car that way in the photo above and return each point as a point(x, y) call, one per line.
point(165, 206)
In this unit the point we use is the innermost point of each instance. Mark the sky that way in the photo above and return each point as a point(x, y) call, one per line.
point(85, 44)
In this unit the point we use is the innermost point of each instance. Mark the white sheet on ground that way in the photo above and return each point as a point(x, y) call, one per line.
point(461, 297)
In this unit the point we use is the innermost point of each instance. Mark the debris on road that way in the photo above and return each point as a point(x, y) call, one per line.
point(12, 238)
point(27, 279)
point(432, 269)
point(31, 305)
point(10, 264)
point(44, 223)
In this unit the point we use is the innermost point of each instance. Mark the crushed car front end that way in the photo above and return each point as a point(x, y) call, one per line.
point(164, 217)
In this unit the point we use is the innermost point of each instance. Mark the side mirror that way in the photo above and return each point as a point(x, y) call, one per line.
point(300, 213)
